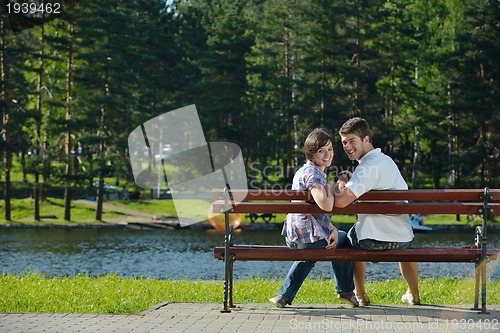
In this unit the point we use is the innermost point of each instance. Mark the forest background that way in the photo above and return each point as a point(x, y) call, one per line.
point(262, 74)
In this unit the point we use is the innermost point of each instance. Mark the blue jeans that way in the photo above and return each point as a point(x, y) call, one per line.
point(342, 271)
point(373, 244)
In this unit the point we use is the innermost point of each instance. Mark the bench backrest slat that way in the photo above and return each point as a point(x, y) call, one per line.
point(266, 194)
point(413, 195)
point(357, 208)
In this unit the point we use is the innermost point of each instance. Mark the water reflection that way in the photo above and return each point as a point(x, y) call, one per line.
point(183, 254)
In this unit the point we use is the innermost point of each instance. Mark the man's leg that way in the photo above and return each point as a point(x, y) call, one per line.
point(409, 270)
point(359, 278)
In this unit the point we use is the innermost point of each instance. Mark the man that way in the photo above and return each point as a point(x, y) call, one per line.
point(376, 171)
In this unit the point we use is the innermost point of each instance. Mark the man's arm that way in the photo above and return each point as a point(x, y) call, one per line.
point(343, 195)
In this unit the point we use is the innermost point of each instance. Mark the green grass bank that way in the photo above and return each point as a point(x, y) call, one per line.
point(112, 294)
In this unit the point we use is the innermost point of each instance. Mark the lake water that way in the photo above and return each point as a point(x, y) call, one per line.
point(178, 254)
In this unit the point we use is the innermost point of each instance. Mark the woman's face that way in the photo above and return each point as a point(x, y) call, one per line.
point(324, 156)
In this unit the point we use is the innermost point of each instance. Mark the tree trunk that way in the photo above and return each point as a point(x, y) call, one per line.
point(417, 156)
point(67, 143)
point(287, 99)
point(36, 188)
point(100, 197)
point(7, 154)
point(102, 148)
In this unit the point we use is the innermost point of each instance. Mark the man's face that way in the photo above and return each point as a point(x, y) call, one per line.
point(354, 146)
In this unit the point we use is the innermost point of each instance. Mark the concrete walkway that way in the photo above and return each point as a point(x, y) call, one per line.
point(207, 317)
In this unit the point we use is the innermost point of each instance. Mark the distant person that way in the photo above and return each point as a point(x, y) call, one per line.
point(305, 231)
point(373, 232)
point(124, 194)
point(417, 218)
point(136, 195)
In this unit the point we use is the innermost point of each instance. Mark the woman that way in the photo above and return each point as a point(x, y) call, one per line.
point(304, 231)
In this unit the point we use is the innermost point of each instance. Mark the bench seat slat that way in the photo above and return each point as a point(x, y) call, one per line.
point(359, 208)
point(415, 195)
point(283, 253)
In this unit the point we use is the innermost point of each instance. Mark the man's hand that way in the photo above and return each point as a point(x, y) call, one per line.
point(343, 195)
point(333, 239)
point(345, 176)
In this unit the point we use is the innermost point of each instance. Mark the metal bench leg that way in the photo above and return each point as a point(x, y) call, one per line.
point(483, 287)
point(226, 292)
point(228, 269)
point(228, 258)
point(228, 284)
point(476, 287)
point(231, 261)
point(227, 274)
point(482, 264)
point(228, 280)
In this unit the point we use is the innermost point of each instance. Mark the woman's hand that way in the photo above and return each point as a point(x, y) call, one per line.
point(333, 239)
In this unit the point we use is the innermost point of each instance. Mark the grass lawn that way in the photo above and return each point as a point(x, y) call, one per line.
point(83, 211)
point(32, 292)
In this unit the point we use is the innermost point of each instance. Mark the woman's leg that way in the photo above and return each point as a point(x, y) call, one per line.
point(359, 267)
point(298, 272)
point(294, 279)
point(343, 271)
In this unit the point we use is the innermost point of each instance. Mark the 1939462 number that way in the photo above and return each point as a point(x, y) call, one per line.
point(32, 8)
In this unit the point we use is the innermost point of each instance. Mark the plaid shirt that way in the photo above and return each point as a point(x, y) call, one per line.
point(307, 228)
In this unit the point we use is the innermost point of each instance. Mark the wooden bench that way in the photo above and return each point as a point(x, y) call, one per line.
point(445, 201)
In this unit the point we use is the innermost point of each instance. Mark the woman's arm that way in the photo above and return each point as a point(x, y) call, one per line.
point(323, 196)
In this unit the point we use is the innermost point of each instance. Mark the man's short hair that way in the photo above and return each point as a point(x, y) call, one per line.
point(357, 126)
point(318, 138)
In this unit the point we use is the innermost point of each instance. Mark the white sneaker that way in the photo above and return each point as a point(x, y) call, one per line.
point(278, 301)
point(412, 299)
